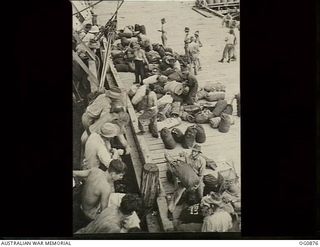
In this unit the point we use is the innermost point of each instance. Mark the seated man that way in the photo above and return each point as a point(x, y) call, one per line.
point(98, 148)
point(116, 219)
point(198, 164)
point(98, 186)
point(100, 106)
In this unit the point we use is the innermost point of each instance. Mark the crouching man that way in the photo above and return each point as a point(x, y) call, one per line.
point(197, 164)
point(98, 186)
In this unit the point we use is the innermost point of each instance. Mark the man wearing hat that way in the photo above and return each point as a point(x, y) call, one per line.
point(163, 33)
point(198, 42)
point(186, 40)
point(86, 28)
point(100, 106)
point(139, 60)
point(98, 149)
point(198, 164)
point(90, 35)
point(98, 186)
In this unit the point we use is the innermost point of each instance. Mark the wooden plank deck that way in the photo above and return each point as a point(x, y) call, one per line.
point(219, 146)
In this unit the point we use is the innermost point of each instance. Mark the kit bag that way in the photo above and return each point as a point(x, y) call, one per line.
point(189, 137)
point(219, 108)
point(175, 110)
point(228, 109)
point(167, 138)
point(225, 123)
point(153, 128)
point(214, 122)
point(166, 99)
point(143, 29)
point(119, 61)
point(201, 94)
point(213, 183)
point(177, 135)
point(117, 54)
point(203, 117)
point(141, 92)
point(215, 87)
point(122, 67)
point(215, 96)
point(201, 134)
point(175, 76)
point(185, 173)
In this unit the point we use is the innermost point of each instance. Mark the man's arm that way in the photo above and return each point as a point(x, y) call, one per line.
point(124, 143)
point(145, 58)
point(104, 156)
point(81, 174)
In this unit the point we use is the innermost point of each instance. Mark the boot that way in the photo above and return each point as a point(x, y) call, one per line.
point(221, 61)
point(228, 60)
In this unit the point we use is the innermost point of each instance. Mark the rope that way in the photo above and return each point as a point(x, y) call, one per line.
point(87, 7)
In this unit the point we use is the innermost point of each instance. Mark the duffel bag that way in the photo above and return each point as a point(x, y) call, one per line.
point(185, 173)
point(168, 71)
point(161, 51)
point(142, 29)
point(184, 115)
point(137, 27)
point(125, 42)
point(158, 90)
point(228, 109)
point(212, 183)
point(177, 135)
point(122, 67)
point(169, 123)
point(225, 123)
point(189, 137)
point(192, 109)
point(153, 128)
point(175, 76)
point(174, 87)
point(167, 138)
point(203, 116)
point(214, 122)
point(117, 54)
point(119, 61)
point(166, 99)
point(201, 134)
point(132, 91)
point(167, 49)
point(175, 110)
point(150, 80)
point(190, 118)
point(219, 108)
point(215, 86)
point(141, 92)
point(215, 96)
point(201, 94)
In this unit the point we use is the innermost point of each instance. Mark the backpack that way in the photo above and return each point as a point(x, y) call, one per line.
point(153, 128)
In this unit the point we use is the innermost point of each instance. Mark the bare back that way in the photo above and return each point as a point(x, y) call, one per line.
point(96, 192)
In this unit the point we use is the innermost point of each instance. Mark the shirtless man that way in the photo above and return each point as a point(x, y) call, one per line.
point(98, 186)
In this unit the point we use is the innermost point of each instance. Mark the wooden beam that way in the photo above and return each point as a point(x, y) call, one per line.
point(93, 69)
point(85, 68)
point(144, 152)
point(200, 12)
point(214, 12)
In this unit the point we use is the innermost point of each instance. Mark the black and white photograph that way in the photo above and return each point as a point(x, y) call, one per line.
point(156, 116)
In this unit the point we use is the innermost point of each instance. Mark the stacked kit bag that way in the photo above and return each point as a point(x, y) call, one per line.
point(215, 91)
point(189, 137)
point(167, 138)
